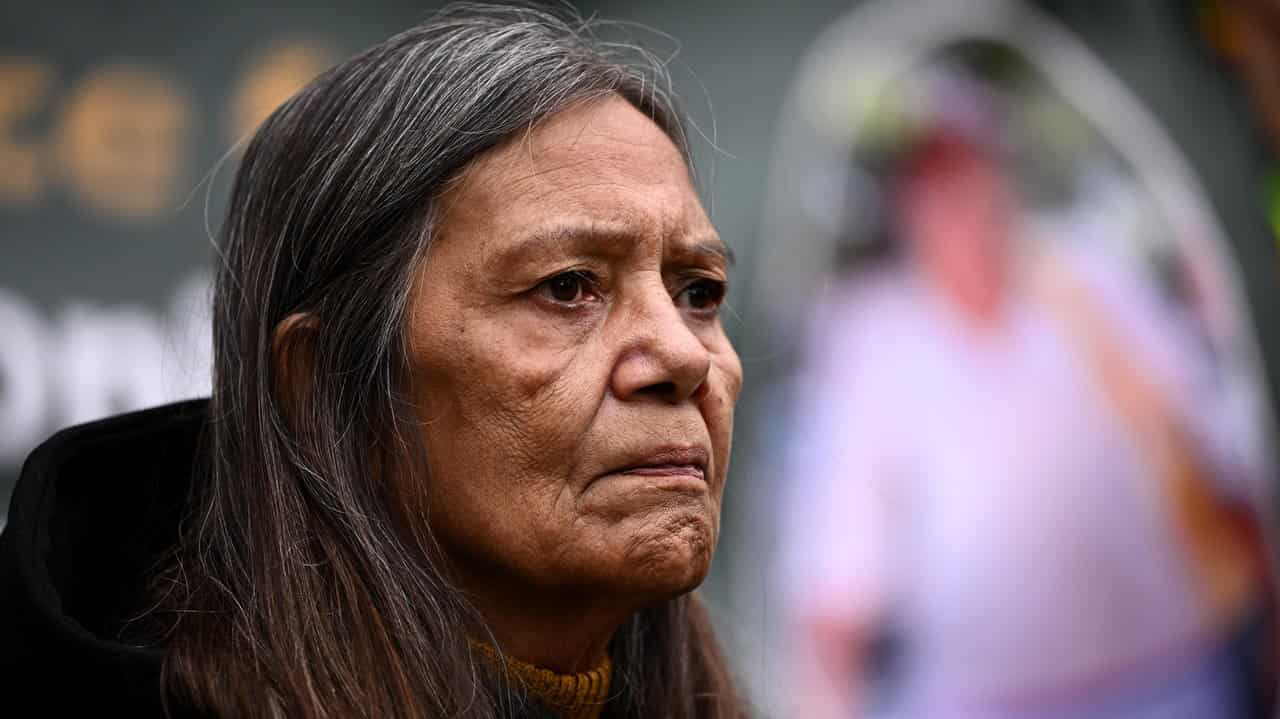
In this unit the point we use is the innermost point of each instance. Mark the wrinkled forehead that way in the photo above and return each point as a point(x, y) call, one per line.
point(606, 136)
point(600, 162)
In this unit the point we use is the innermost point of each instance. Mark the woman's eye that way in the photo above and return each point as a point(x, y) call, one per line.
point(566, 287)
point(702, 295)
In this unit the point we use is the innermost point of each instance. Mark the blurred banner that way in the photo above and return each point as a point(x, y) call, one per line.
point(119, 129)
point(1026, 446)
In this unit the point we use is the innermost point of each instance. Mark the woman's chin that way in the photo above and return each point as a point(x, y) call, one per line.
point(667, 557)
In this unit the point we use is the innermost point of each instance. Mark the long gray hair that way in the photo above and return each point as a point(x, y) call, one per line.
point(300, 587)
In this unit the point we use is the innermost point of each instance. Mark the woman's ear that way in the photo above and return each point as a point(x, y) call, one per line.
point(293, 362)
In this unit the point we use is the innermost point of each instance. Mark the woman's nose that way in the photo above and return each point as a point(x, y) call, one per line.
point(660, 356)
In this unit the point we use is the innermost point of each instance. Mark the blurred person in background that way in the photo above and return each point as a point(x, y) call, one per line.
point(1011, 478)
point(470, 423)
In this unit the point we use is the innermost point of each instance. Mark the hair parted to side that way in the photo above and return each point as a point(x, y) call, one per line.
point(298, 587)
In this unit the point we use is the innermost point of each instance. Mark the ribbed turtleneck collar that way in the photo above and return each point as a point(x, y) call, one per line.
point(570, 696)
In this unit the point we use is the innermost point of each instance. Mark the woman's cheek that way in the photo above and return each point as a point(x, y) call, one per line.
point(724, 401)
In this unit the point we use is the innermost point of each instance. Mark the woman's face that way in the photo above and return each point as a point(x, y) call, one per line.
point(574, 381)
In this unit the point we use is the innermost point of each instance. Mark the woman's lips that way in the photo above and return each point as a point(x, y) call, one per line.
point(665, 470)
point(668, 462)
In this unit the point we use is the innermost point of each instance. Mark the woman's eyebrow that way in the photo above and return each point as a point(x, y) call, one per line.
point(561, 238)
point(576, 237)
point(713, 245)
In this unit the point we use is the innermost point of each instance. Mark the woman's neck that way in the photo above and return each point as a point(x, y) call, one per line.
point(565, 639)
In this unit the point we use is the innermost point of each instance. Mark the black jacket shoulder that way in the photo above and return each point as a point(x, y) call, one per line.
point(96, 505)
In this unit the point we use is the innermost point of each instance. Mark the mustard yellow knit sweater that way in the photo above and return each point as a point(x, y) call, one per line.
point(570, 696)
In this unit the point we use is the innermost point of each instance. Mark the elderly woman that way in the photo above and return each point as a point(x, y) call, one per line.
point(470, 420)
